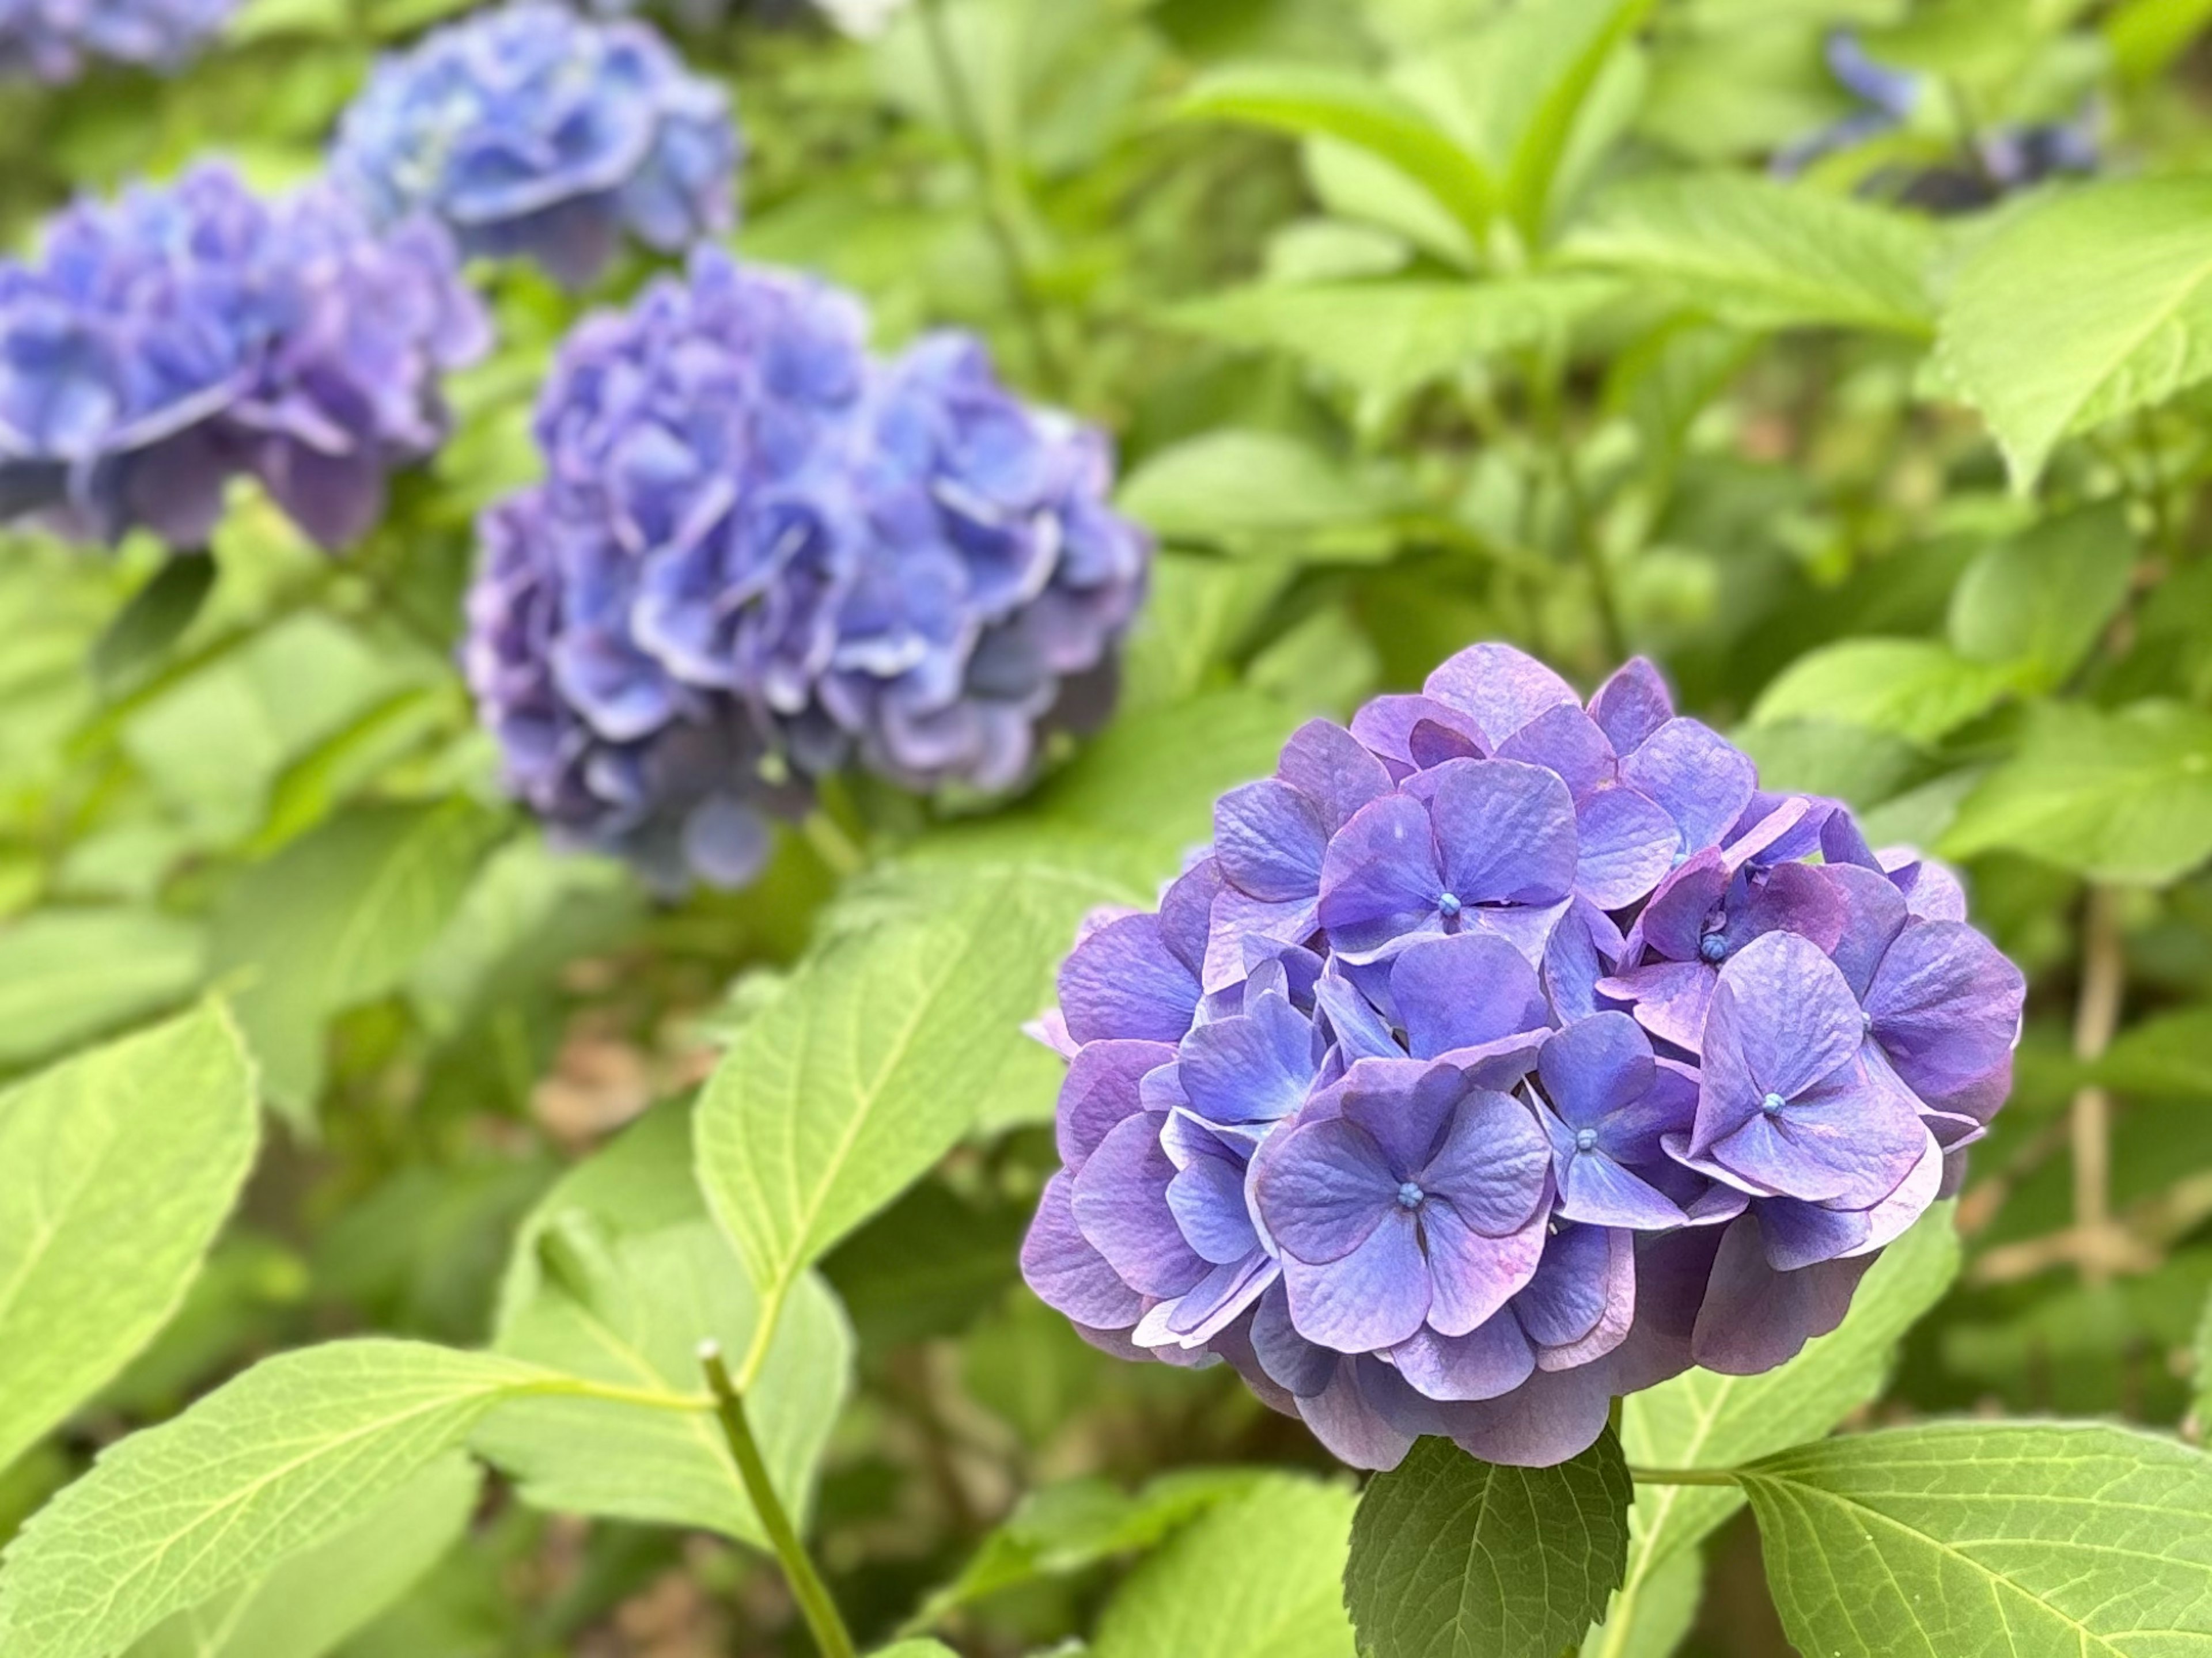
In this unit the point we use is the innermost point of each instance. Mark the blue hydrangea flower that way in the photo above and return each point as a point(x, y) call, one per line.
point(532, 131)
point(188, 332)
point(1505, 1053)
point(54, 41)
point(749, 525)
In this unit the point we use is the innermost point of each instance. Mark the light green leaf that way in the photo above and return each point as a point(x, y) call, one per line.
point(918, 1649)
point(2124, 796)
point(2095, 304)
point(1701, 1419)
point(1972, 1539)
point(1575, 39)
point(1201, 609)
point(335, 920)
point(274, 1462)
point(2167, 1055)
point(1452, 1558)
point(1758, 254)
point(1918, 688)
point(2042, 600)
point(117, 1170)
point(2147, 36)
point(1258, 492)
point(66, 974)
point(1391, 338)
point(1656, 1618)
point(154, 618)
point(318, 1597)
point(1258, 1577)
point(1359, 111)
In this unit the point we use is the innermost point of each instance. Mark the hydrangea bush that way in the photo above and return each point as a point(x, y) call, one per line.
point(1504, 1054)
point(537, 133)
point(182, 334)
point(760, 556)
point(56, 40)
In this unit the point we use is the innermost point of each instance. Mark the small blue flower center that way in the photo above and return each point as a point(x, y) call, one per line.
point(1448, 904)
point(1411, 1196)
point(1773, 1105)
point(1866, 1020)
point(1585, 1139)
point(1712, 947)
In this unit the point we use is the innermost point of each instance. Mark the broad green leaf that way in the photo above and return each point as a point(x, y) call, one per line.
point(2203, 1352)
point(281, 1460)
point(1452, 1558)
point(2042, 600)
point(1391, 338)
point(1701, 1419)
point(1969, 1540)
point(1356, 110)
point(2123, 796)
point(1758, 254)
point(1576, 39)
point(918, 1649)
point(2097, 303)
point(1656, 1619)
point(1918, 688)
point(2168, 1053)
point(335, 920)
point(1259, 1577)
point(66, 974)
point(117, 1170)
point(312, 1602)
point(1261, 492)
point(1201, 609)
point(2147, 36)
point(155, 617)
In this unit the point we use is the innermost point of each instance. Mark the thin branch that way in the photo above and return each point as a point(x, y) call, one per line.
point(2096, 1016)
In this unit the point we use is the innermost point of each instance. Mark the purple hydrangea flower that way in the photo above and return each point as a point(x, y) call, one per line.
point(1503, 1054)
point(53, 41)
point(186, 332)
point(759, 555)
point(532, 131)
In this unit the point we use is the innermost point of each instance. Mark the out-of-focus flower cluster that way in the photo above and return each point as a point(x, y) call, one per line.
point(1504, 1054)
point(181, 334)
point(532, 131)
point(760, 556)
point(55, 41)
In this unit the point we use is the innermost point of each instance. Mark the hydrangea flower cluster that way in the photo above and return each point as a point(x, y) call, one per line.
point(190, 331)
point(760, 556)
point(53, 40)
point(532, 131)
point(1504, 1054)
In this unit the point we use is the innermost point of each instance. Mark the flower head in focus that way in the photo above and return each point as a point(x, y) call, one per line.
point(189, 332)
point(531, 132)
point(1503, 1054)
point(54, 41)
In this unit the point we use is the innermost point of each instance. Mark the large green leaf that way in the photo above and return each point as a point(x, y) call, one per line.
point(117, 1169)
point(1455, 1558)
point(1258, 1577)
point(2123, 796)
point(1917, 688)
point(282, 1459)
point(2042, 599)
point(1265, 494)
point(66, 974)
point(1701, 1419)
point(1553, 56)
point(1972, 1539)
point(2095, 304)
point(1760, 255)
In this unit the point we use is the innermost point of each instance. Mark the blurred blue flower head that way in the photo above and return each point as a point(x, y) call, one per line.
point(54, 41)
point(759, 555)
point(190, 331)
point(533, 132)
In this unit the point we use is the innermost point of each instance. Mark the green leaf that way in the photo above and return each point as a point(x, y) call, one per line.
point(1390, 337)
point(1970, 1539)
point(2097, 303)
point(117, 1170)
point(1916, 688)
point(2042, 601)
point(1656, 1619)
point(1258, 1577)
point(1758, 254)
point(2167, 1055)
point(1359, 111)
point(1453, 1558)
point(918, 1649)
point(1254, 491)
point(2123, 796)
point(338, 919)
point(1577, 39)
point(310, 1604)
point(1701, 1419)
point(66, 974)
point(281, 1460)
point(154, 619)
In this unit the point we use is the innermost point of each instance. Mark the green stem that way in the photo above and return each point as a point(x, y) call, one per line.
point(832, 845)
point(1684, 1476)
point(820, 1612)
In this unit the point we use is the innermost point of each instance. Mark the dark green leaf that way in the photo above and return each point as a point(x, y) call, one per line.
point(154, 619)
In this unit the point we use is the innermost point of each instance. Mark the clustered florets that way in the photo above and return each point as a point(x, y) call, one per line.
point(185, 333)
point(1504, 1054)
point(759, 555)
point(53, 40)
point(532, 131)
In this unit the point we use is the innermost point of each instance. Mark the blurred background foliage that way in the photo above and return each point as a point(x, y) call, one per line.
point(1653, 400)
